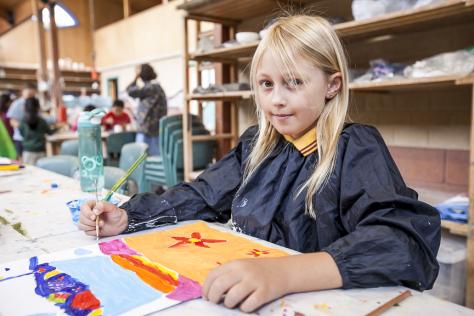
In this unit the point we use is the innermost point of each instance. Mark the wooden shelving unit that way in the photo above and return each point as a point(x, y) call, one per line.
point(74, 81)
point(440, 15)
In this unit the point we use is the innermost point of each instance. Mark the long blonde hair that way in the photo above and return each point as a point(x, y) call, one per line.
point(311, 38)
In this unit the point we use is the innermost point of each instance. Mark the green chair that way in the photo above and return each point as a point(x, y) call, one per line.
point(114, 143)
point(174, 156)
point(170, 132)
point(203, 154)
point(70, 147)
point(111, 176)
point(129, 154)
point(62, 164)
point(154, 166)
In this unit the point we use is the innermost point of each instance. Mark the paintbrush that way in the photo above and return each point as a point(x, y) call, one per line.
point(96, 201)
point(118, 184)
point(393, 301)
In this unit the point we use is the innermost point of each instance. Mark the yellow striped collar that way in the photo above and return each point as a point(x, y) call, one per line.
point(306, 144)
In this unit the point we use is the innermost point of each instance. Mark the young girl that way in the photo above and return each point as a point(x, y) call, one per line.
point(303, 179)
point(33, 129)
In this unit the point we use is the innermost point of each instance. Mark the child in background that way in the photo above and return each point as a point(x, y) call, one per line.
point(304, 179)
point(5, 101)
point(33, 129)
point(116, 116)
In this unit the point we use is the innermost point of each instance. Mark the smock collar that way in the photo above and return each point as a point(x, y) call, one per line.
point(305, 144)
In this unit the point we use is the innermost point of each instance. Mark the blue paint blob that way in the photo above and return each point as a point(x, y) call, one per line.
point(54, 186)
point(82, 252)
point(7, 269)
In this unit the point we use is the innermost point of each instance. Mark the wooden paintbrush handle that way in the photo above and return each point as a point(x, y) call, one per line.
point(379, 310)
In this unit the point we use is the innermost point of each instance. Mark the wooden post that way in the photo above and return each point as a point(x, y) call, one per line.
point(470, 231)
point(198, 68)
point(187, 137)
point(56, 94)
point(223, 109)
point(126, 8)
point(42, 72)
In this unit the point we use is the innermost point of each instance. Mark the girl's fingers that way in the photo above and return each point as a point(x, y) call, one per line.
point(86, 220)
point(220, 286)
point(211, 276)
point(237, 294)
point(86, 228)
point(252, 302)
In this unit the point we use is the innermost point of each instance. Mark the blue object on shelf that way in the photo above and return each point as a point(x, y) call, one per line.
point(454, 209)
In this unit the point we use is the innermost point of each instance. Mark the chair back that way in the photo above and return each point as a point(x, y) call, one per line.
point(62, 164)
point(70, 147)
point(114, 143)
point(129, 154)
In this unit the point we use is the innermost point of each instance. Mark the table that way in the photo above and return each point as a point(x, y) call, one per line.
point(53, 142)
point(27, 196)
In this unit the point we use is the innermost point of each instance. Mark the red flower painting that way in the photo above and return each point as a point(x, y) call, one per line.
point(196, 240)
point(258, 253)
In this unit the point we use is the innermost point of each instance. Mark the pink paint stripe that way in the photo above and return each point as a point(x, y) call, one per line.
point(116, 247)
point(186, 290)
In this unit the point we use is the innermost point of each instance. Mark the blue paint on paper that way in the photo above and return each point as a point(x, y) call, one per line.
point(118, 290)
point(82, 252)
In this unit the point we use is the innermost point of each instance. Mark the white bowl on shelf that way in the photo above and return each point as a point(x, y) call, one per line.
point(246, 37)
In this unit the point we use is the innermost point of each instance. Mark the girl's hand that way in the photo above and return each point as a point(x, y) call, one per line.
point(113, 220)
point(249, 283)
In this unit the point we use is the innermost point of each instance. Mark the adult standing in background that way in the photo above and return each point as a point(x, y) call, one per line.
point(151, 108)
point(16, 113)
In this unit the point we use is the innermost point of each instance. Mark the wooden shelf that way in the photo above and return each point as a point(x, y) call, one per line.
point(211, 137)
point(231, 9)
point(410, 84)
point(448, 12)
point(382, 86)
point(455, 228)
point(229, 95)
point(226, 54)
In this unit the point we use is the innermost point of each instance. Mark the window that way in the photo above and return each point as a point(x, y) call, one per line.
point(64, 17)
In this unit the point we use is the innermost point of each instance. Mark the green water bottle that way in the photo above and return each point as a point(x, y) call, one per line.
point(90, 151)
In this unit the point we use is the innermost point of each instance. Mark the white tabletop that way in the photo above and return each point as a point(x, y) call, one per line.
point(28, 197)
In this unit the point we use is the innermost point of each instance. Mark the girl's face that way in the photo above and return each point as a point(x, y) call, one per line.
point(293, 106)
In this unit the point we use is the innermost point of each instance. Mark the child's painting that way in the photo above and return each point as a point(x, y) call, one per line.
point(129, 276)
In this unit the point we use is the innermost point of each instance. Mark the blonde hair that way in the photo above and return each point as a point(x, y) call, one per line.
point(311, 38)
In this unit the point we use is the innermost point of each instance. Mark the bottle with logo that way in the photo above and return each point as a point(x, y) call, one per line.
point(90, 151)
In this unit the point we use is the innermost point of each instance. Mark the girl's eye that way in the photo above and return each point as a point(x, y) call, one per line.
point(294, 82)
point(265, 84)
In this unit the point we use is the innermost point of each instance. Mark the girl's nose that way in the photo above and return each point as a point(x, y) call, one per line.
point(278, 99)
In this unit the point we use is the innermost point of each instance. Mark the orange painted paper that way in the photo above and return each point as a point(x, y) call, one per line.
point(194, 261)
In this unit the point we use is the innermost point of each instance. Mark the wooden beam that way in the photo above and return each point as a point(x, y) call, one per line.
point(56, 94)
point(42, 74)
point(470, 235)
point(126, 8)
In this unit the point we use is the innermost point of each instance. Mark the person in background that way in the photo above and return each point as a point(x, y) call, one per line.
point(15, 114)
point(33, 129)
point(116, 116)
point(151, 108)
point(5, 101)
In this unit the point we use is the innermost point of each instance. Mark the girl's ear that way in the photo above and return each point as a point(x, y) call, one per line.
point(334, 85)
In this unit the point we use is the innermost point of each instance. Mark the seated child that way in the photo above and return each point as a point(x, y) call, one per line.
point(33, 128)
point(304, 178)
point(116, 116)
